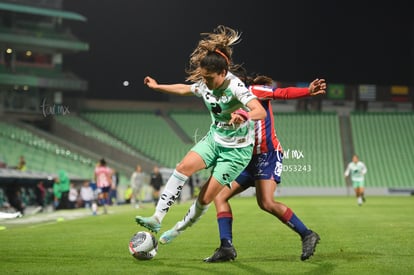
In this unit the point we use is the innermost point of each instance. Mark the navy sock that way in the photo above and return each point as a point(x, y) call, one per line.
point(298, 226)
point(291, 220)
point(225, 222)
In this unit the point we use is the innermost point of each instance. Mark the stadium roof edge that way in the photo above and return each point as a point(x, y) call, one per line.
point(42, 11)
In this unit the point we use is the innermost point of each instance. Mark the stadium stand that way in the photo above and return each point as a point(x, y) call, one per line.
point(87, 129)
point(147, 132)
point(194, 124)
point(312, 150)
point(41, 154)
point(384, 141)
point(33, 40)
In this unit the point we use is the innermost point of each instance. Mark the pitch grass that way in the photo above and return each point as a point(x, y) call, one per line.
point(377, 238)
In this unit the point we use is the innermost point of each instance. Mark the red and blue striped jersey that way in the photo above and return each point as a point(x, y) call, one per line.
point(265, 134)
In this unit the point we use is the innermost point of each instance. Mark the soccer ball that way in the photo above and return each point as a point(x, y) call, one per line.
point(143, 245)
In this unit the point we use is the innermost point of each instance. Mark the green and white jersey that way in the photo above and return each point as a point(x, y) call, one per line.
point(232, 96)
point(356, 171)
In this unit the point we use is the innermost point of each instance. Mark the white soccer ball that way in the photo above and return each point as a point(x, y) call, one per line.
point(143, 245)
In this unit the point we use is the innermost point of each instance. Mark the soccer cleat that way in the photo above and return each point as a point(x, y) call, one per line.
point(222, 254)
point(168, 236)
point(149, 223)
point(309, 243)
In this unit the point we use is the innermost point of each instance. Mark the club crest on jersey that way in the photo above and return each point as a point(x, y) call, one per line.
point(225, 99)
point(211, 98)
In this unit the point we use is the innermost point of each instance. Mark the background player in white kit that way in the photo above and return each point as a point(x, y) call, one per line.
point(356, 169)
point(137, 182)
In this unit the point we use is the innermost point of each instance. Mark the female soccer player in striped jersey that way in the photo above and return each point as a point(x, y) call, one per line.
point(264, 172)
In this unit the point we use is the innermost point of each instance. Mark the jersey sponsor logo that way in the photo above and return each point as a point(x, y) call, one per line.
point(222, 124)
point(212, 100)
point(247, 94)
point(215, 108)
point(241, 140)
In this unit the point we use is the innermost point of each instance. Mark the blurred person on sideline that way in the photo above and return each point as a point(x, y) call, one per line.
point(103, 178)
point(192, 183)
point(57, 194)
point(64, 187)
point(156, 183)
point(137, 182)
point(22, 164)
point(40, 195)
point(113, 192)
point(128, 194)
point(86, 194)
point(15, 198)
point(73, 196)
point(3, 163)
point(356, 169)
point(95, 190)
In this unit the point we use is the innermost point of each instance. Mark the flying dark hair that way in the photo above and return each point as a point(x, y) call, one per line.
point(213, 53)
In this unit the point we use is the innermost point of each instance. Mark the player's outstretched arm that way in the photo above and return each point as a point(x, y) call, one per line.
point(178, 89)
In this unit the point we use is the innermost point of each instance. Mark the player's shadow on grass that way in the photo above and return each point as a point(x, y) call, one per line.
point(320, 263)
point(348, 256)
point(239, 266)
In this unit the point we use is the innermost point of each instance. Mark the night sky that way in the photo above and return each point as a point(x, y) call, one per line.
point(291, 41)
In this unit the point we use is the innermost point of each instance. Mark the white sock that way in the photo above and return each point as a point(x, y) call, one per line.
point(193, 215)
point(170, 194)
point(359, 200)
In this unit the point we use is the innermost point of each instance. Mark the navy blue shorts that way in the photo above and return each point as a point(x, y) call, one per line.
point(104, 189)
point(266, 166)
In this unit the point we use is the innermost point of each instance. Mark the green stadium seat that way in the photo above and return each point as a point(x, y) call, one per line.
point(147, 132)
point(312, 147)
point(40, 154)
point(384, 141)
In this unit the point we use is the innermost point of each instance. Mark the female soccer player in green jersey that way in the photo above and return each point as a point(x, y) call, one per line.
point(227, 147)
